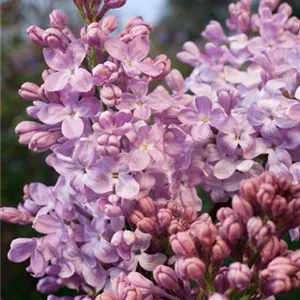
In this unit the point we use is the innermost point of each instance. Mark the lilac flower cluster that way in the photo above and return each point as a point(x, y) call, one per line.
point(122, 220)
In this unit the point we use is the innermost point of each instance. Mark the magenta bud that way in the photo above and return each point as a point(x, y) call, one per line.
point(239, 275)
point(35, 33)
point(214, 32)
point(109, 24)
point(194, 268)
point(147, 206)
point(164, 217)
point(175, 80)
point(217, 296)
point(147, 225)
point(166, 277)
point(254, 226)
point(270, 249)
point(183, 244)
point(206, 234)
point(242, 208)
point(220, 250)
point(266, 195)
point(29, 91)
point(231, 229)
point(14, 216)
point(58, 19)
point(228, 98)
point(111, 95)
point(114, 3)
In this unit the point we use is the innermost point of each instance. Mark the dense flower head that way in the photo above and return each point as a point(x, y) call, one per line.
point(132, 140)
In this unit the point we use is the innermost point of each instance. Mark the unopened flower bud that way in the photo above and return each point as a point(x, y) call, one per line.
point(220, 250)
point(249, 188)
point(194, 268)
point(293, 25)
point(214, 32)
point(95, 36)
point(176, 226)
point(239, 275)
point(279, 283)
point(293, 212)
point(166, 277)
point(286, 9)
point(163, 63)
point(270, 249)
point(164, 217)
point(272, 4)
point(228, 98)
point(147, 206)
point(136, 216)
point(224, 212)
point(221, 282)
point(54, 38)
point(278, 207)
point(29, 91)
point(105, 296)
point(206, 234)
point(242, 208)
point(190, 214)
point(190, 55)
point(282, 265)
point(35, 33)
point(183, 244)
point(231, 229)
point(111, 95)
point(139, 281)
point(175, 80)
point(114, 3)
point(254, 225)
point(109, 24)
point(217, 296)
point(58, 19)
point(14, 216)
point(177, 210)
point(147, 225)
point(48, 285)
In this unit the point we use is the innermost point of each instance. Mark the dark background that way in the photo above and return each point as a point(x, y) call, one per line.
point(22, 61)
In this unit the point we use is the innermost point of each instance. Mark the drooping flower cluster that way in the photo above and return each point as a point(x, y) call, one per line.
point(130, 156)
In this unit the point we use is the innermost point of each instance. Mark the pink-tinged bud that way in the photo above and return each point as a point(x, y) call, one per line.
point(190, 214)
point(162, 62)
point(268, 177)
point(293, 25)
point(105, 73)
point(114, 3)
point(58, 19)
point(231, 229)
point(177, 210)
point(136, 216)
point(293, 212)
point(29, 91)
point(95, 36)
point(217, 296)
point(220, 281)
point(35, 33)
point(295, 258)
point(242, 208)
point(27, 129)
point(266, 195)
point(183, 244)
point(177, 226)
point(278, 283)
point(214, 32)
point(228, 98)
point(166, 277)
point(254, 226)
point(283, 248)
point(111, 95)
point(190, 55)
point(295, 191)
point(139, 281)
point(164, 217)
point(270, 249)
point(14, 216)
point(147, 206)
point(264, 234)
point(282, 265)
point(239, 275)
point(206, 234)
point(286, 9)
point(220, 250)
point(147, 225)
point(284, 184)
point(109, 24)
point(54, 38)
point(105, 296)
point(249, 188)
point(278, 207)
point(194, 268)
point(272, 4)
point(42, 141)
point(48, 285)
point(224, 212)
point(175, 81)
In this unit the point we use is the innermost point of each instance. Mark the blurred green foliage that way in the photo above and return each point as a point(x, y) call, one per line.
point(23, 62)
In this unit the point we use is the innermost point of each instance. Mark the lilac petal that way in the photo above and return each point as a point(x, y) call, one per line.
point(232, 184)
point(67, 269)
point(158, 100)
point(201, 131)
point(128, 101)
point(246, 142)
point(56, 81)
point(72, 127)
point(138, 160)
point(21, 249)
point(297, 93)
point(64, 166)
point(256, 45)
point(149, 69)
point(139, 88)
point(52, 114)
point(106, 252)
point(81, 80)
point(189, 198)
point(40, 193)
point(225, 167)
point(88, 107)
point(101, 184)
point(188, 116)
point(218, 117)
point(76, 53)
point(56, 59)
point(293, 111)
point(157, 155)
point(116, 48)
point(46, 224)
point(95, 277)
point(138, 48)
point(270, 129)
point(204, 105)
point(228, 144)
point(142, 112)
point(38, 263)
point(150, 261)
point(127, 187)
point(84, 153)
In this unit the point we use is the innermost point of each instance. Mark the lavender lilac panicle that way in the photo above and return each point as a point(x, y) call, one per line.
point(123, 219)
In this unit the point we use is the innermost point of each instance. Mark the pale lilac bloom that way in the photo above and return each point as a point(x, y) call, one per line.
point(202, 118)
point(132, 55)
point(67, 67)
